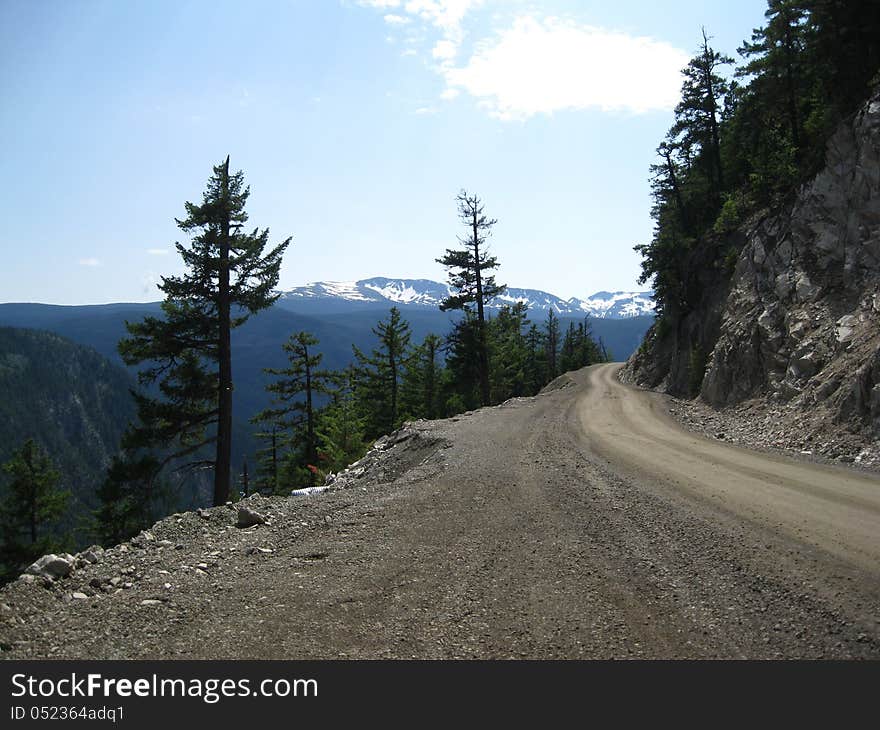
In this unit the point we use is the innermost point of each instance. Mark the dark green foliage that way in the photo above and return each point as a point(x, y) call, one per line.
point(739, 147)
point(509, 354)
point(379, 375)
point(551, 344)
point(73, 402)
point(341, 429)
point(187, 351)
point(292, 418)
point(468, 269)
point(130, 498)
point(420, 391)
point(32, 505)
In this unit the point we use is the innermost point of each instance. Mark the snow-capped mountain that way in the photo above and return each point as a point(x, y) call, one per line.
point(426, 293)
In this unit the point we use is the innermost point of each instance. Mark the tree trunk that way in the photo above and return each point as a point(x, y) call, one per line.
point(224, 354)
point(311, 454)
point(481, 320)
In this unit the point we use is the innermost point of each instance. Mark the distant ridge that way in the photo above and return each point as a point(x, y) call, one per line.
point(381, 290)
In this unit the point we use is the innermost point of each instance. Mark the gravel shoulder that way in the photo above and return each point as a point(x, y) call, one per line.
point(569, 525)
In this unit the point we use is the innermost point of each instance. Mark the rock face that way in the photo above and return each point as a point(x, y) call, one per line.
point(798, 321)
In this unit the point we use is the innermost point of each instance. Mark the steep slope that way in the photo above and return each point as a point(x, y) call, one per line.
point(797, 321)
point(70, 399)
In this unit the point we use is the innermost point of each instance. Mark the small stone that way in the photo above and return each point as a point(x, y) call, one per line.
point(151, 602)
point(80, 596)
point(165, 543)
point(98, 582)
point(116, 582)
point(254, 550)
point(248, 517)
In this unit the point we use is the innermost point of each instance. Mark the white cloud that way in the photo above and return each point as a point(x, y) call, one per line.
point(543, 66)
point(89, 262)
point(425, 110)
point(158, 251)
point(445, 50)
point(444, 14)
point(449, 94)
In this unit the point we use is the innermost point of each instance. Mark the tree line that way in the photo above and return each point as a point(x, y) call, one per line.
point(318, 421)
point(744, 138)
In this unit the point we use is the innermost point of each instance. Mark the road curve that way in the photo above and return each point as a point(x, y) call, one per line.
point(834, 509)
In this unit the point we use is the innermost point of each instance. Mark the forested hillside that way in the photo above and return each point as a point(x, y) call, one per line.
point(71, 400)
point(745, 139)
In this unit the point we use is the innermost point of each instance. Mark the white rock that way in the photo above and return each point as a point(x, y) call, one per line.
point(52, 566)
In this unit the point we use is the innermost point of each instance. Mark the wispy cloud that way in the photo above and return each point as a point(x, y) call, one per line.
point(396, 20)
point(158, 251)
point(533, 64)
point(89, 262)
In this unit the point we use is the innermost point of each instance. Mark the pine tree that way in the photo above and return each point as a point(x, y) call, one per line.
point(509, 353)
point(129, 498)
point(341, 429)
point(32, 505)
point(463, 365)
point(467, 267)
point(698, 114)
point(551, 344)
point(293, 410)
point(230, 276)
point(269, 460)
point(380, 375)
point(421, 381)
point(536, 361)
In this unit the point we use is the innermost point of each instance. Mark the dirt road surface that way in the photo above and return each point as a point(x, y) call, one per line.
point(583, 523)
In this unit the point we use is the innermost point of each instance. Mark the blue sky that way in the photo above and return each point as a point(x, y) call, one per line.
point(356, 123)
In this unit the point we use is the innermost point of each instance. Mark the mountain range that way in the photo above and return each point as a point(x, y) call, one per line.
point(335, 295)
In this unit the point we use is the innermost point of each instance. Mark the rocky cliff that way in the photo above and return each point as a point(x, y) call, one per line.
point(795, 322)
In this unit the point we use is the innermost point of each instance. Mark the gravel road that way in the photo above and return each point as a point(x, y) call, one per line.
point(583, 523)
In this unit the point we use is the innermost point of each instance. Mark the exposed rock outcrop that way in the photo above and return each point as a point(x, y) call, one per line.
point(798, 320)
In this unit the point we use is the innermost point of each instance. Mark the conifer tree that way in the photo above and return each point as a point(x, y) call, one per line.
point(230, 275)
point(698, 114)
point(269, 459)
point(468, 267)
point(128, 499)
point(421, 382)
point(509, 353)
point(536, 360)
point(551, 344)
point(341, 429)
point(32, 504)
point(293, 410)
point(380, 375)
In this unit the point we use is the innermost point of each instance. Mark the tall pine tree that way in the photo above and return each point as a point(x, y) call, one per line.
point(468, 267)
point(32, 505)
point(230, 275)
point(380, 375)
point(294, 410)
